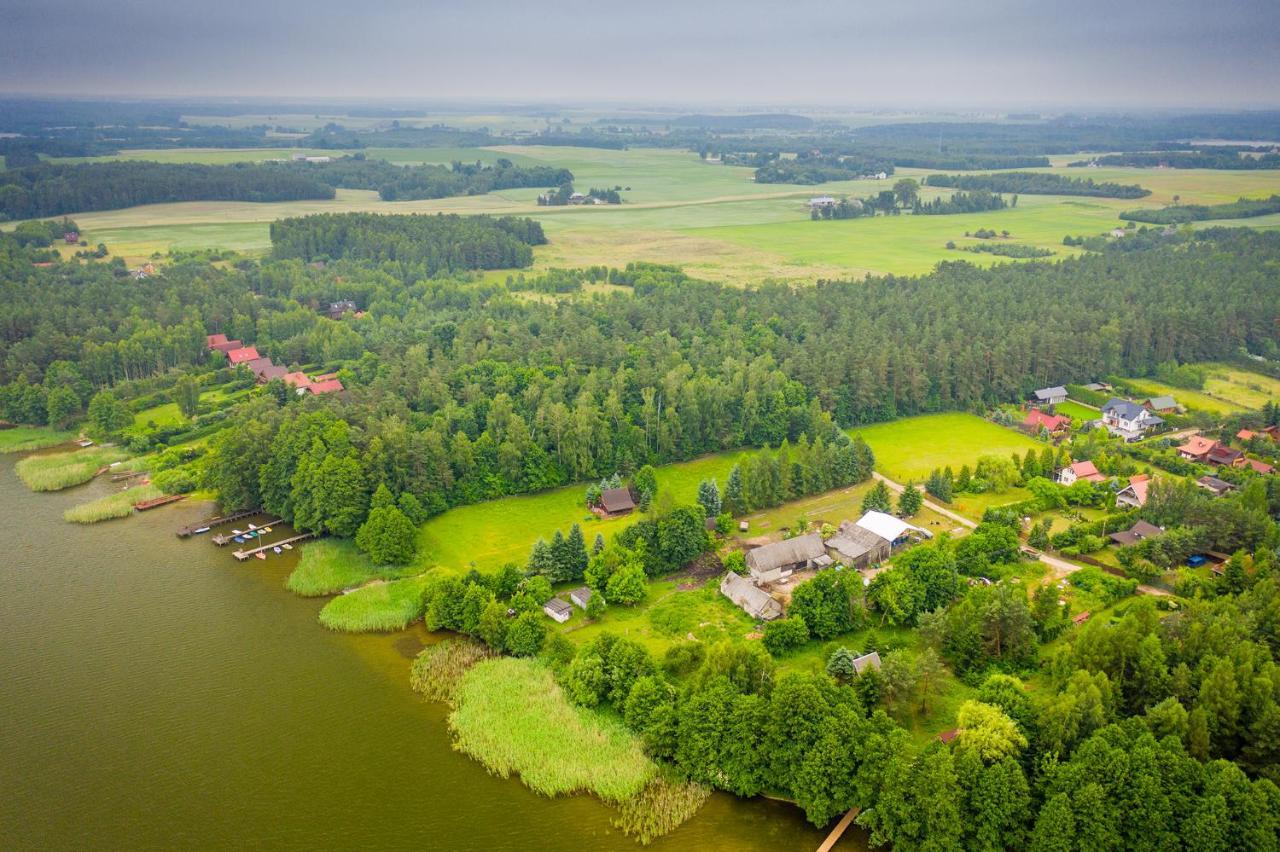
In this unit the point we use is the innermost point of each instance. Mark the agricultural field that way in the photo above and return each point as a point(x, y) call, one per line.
point(711, 218)
point(1191, 400)
point(907, 450)
point(1240, 387)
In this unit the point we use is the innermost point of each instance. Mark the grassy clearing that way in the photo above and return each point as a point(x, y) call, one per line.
point(1076, 411)
point(160, 415)
point(1239, 386)
point(487, 535)
point(663, 805)
point(380, 607)
point(330, 566)
point(63, 470)
point(117, 505)
point(907, 450)
point(831, 507)
point(23, 439)
point(1192, 400)
point(439, 669)
point(512, 717)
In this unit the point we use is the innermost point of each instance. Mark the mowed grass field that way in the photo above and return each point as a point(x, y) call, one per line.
point(1241, 387)
point(711, 218)
point(909, 449)
point(1191, 400)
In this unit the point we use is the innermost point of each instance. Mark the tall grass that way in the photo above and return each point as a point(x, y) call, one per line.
point(386, 606)
point(661, 808)
point(439, 669)
point(116, 505)
point(512, 717)
point(24, 438)
point(330, 566)
point(63, 470)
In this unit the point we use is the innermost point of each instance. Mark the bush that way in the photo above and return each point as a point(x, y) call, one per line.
point(785, 634)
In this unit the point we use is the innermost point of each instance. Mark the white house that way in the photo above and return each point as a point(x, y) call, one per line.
point(821, 201)
point(1128, 419)
point(1085, 470)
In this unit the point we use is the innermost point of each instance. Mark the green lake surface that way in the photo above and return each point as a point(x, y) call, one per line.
point(155, 693)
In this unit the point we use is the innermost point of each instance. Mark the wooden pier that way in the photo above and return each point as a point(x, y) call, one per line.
point(132, 474)
point(158, 501)
point(223, 539)
point(216, 521)
point(242, 555)
point(834, 837)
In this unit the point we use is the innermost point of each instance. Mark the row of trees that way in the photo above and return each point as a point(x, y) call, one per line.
point(1038, 183)
point(1241, 208)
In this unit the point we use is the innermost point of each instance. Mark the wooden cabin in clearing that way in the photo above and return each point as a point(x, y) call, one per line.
point(617, 501)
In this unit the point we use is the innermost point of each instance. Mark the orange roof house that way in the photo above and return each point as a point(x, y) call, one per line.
point(1246, 434)
point(327, 386)
point(212, 340)
point(243, 355)
point(1197, 448)
point(1037, 420)
point(1085, 470)
point(1134, 495)
point(296, 380)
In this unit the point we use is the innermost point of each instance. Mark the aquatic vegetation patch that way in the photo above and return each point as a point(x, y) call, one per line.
point(511, 715)
point(330, 566)
point(439, 669)
point(662, 807)
point(379, 607)
point(117, 505)
point(23, 439)
point(63, 470)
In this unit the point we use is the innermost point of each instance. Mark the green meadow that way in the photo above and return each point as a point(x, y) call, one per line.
point(21, 439)
point(908, 449)
point(1190, 399)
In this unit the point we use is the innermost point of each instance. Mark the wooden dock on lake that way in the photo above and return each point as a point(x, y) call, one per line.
point(216, 521)
point(223, 539)
point(836, 833)
point(242, 555)
point(131, 474)
point(157, 502)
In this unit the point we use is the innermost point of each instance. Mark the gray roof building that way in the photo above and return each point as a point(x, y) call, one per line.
point(866, 661)
point(858, 546)
point(753, 600)
point(774, 561)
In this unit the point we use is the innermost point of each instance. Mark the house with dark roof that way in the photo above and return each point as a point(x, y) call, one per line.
point(857, 546)
point(617, 501)
point(1098, 387)
point(1224, 456)
point(1215, 486)
point(226, 346)
point(1135, 533)
point(776, 561)
point(1127, 419)
point(337, 309)
point(754, 601)
point(558, 609)
point(1050, 396)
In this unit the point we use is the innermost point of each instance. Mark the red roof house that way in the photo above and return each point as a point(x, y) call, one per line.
point(1037, 420)
point(243, 355)
point(212, 340)
point(1225, 456)
point(296, 380)
point(1246, 434)
point(1134, 495)
point(327, 386)
point(227, 346)
point(1260, 467)
point(1197, 448)
point(1085, 470)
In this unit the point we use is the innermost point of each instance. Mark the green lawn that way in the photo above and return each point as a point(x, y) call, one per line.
point(1076, 411)
point(21, 439)
point(1191, 400)
point(160, 415)
point(1240, 387)
point(907, 450)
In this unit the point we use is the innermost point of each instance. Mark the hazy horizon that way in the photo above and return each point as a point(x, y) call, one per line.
point(923, 55)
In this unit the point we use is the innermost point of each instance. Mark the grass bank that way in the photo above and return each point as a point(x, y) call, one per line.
point(25, 438)
point(330, 566)
point(512, 717)
point(63, 470)
point(117, 505)
point(380, 607)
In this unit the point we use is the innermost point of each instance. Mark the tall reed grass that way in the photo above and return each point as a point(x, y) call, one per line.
point(63, 470)
point(329, 566)
point(379, 608)
point(511, 715)
point(438, 670)
point(661, 807)
point(116, 505)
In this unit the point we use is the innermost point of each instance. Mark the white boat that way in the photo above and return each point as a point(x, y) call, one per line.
point(278, 550)
point(237, 532)
point(253, 526)
point(199, 530)
point(287, 546)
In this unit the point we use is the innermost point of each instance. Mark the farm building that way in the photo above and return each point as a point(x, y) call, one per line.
point(773, 562)
point(1136, 533)
point(1161, 404)
point(558, 609)
point(581, 597)
point(1050, 396)
point(1134, 495)
point(1037, 420)
point(821, 202)
point(1127, 419)
point(755, 602)
point(617, 501)
point(891, 529)
point(1215, 486)
point(857, 547)
point(1085, 470)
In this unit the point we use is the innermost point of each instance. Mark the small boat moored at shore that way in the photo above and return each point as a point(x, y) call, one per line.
point(278, 550)
point(261, 554)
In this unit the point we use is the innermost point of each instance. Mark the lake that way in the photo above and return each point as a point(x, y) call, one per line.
point(155, 693)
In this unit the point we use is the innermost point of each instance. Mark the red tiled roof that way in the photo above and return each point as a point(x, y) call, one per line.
point(948, 736)
point(1260, 467)
point(1197, 445)
point(243, 355)
point(296, 380)
point(1246, 434)
point(212, 340)
point(1036, 419)
point(327, 386)
point(1087, 470)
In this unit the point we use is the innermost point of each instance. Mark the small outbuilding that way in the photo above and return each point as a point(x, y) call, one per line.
point(858, 547)
point(581, 597)
point(754, 601)
point(1050, 396)
point(1215, 486)
point(558, 609)
point(867, 661)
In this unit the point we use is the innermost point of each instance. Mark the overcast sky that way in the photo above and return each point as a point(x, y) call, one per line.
point(906, 53)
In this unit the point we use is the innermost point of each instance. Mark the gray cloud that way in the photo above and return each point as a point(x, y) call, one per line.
point(865, 52)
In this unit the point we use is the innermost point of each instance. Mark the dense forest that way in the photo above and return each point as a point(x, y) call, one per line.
point(806, 169)
point(425, 244)
point(1243, 208)
point(410, 183)
point(54, 189)
point(1227, 159)
point(1037, 183)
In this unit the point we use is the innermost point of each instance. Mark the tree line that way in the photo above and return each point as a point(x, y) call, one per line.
point(1241, 208)
point(413, 182)
point(1038, 183)
point(810, 169)
point(1227, 159)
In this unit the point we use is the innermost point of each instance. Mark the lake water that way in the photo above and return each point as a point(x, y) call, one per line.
point(156, 693)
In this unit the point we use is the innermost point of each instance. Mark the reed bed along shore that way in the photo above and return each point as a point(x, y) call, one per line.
point(22, 439)
point(439, 669)
point(511, 715)
point(379, 607)
point(661, 807)
point(117, 505)
point(63, 470)
point(329, 566)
